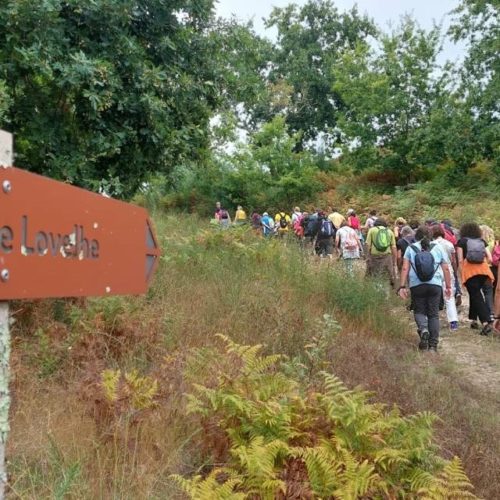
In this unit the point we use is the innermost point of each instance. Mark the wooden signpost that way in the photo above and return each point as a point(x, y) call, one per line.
point(57, 240)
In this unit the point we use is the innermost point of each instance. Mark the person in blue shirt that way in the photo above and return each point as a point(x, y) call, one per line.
point(425, 295)
point(267, 223)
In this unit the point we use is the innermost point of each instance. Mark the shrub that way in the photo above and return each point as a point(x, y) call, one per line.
point(325, 441)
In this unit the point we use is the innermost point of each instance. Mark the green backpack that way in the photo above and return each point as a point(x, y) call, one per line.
point(382, 240)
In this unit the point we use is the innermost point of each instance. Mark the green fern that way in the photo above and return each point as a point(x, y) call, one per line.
point(211, 487)
point(340, 444)
point(450, 484)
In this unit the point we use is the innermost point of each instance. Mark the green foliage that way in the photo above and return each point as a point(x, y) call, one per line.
point(389, 97)
point(139, 392)
point(5, 102)
point(267, 174)
point(310, 38)
point(333, 442)
point(106, 91)
point(477, 22)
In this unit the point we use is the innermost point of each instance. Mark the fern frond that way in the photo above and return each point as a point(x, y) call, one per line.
point(220, 484)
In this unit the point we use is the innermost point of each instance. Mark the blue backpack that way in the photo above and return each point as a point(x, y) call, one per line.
point(424, 264)
point(326, 229)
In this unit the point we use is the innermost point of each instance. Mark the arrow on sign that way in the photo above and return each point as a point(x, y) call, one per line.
point(57, 240)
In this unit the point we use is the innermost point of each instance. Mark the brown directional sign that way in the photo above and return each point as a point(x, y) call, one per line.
point(57, 240)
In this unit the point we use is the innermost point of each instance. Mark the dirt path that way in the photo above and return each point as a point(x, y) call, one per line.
point(477, 357)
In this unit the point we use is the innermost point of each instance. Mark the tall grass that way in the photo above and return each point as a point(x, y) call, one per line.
point(67, 440)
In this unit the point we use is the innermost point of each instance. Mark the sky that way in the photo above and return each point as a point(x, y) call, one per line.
point(382, 11)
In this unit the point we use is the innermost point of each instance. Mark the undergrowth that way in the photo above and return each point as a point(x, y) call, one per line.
point(103, 380)
point(285, 440)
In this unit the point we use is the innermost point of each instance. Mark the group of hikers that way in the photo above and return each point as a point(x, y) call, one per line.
point(427, 262)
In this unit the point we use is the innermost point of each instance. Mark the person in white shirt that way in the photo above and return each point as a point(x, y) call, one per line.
point(297, 214)
point(348, 244)
point(449, 251)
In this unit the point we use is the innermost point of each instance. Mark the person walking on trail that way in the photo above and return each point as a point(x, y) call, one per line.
point(424, 269)
point(489, 236)
point(496, 311)
point(348, 243)
point(381, 250)
point(407, 238)
point(438, 238)
point(354, 222)
point(296, 215)
point(298, 226)
point(400, 223)
point(336, 218)
point(240, 217)
point(283, 222)
point(310, 224)
point(267, 225)
point(256, 221)
point(222, 215)
point(474, 270)
point(370, 221)
point(453, 235)
point(324, 236)
point(495, 262)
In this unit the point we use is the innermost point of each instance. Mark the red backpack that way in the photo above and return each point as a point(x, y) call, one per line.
point(495, 255)
point(297, 226)
point(449, 235)
point(354, 222)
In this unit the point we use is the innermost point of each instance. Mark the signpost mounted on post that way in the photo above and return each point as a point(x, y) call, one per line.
point(6, 159)
point(57, 240)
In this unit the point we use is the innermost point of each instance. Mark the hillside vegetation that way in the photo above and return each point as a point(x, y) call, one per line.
point(101, 406)
point(248, 370)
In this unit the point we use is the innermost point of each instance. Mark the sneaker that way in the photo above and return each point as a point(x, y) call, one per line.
point(423, 345)
point(475, 325)
point(487, 330)
point(454, 326)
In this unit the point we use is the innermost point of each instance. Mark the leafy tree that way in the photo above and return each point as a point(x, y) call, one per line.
point(310, 40)
point(4, 101)
point(477, 22)
point(389, 97)
point(105, 91)
point(242, 60)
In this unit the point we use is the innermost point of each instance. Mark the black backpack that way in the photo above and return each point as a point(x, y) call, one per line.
point(326, 228)
point(476, 250)
point(283, 221)
point(424, 264)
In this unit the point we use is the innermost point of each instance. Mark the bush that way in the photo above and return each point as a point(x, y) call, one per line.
point(285, 441)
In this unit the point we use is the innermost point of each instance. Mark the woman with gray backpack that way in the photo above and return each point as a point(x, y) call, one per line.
point(424, 267)
point(474, 260)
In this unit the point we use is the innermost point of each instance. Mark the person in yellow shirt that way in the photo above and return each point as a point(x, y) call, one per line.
point(337, 218)
point(381, 251)
point(240, 217)
point(283, 222)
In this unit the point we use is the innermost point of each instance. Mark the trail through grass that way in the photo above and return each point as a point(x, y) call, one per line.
point(213, 282)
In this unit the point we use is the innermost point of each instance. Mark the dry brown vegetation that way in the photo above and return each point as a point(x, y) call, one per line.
point(69, 440)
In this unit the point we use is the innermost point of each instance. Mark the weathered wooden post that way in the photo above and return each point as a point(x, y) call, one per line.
point(6, 159)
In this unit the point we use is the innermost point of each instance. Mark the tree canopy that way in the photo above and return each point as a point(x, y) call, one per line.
point(108, 94)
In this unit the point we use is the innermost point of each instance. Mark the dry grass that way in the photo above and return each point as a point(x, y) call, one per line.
point(208, 283)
